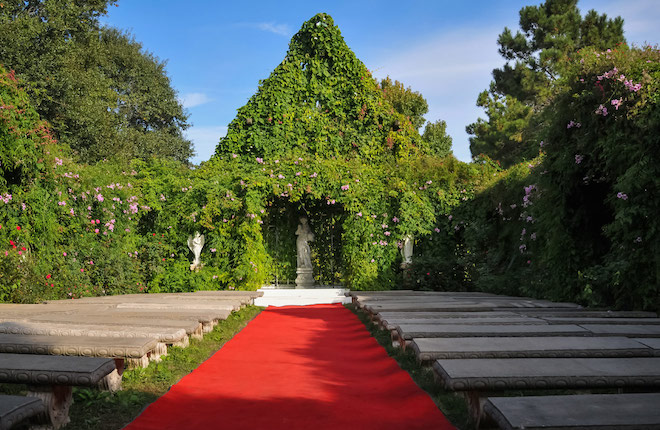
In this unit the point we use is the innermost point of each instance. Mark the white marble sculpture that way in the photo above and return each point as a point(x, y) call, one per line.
point(305, 278)
point(406, 251)
point(195, 244)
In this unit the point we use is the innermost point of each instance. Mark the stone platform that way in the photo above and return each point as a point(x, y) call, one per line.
point(301, 297)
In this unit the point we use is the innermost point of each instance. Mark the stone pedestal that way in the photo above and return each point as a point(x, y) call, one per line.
point(305, 278)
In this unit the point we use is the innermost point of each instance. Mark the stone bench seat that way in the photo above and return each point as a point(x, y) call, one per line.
point(628, 330)
point(50, 379)
point(16, 409)
point(437, 315)
point(404, 333)
point(192, 326)
point(580, 320)
point(171, 336)
point(430, 349)
point(586, 411)
point(571, 313)
point(461, 306)
point(476, 377)
point(134, 351)
point(392, 323)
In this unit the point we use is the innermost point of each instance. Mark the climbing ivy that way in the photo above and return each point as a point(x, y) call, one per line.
point(320, 100)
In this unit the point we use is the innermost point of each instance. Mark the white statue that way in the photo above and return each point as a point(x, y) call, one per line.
point(195, 245)
point(407, 250)
point(305, 236)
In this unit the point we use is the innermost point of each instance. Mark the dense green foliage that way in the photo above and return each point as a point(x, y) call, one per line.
point(321, 139)
point(59, 50)
point(550, 35)
point(580, 222)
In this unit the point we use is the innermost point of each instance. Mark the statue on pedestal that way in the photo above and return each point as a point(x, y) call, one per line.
point(195, 244)
point(305, 278)
point(406, 251)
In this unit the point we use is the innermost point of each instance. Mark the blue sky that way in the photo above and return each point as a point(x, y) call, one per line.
point(217, 51)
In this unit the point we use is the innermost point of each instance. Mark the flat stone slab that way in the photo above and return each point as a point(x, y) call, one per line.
point(592, 411)
point(595, 320)
point(547, 373)
point(77, 345)
point(428, 307)
point(410, 331)
point(391, 323)
point(428, 349)
point(446, 315)
point(35, 369)
point(179, 306)
point(653, 343)
point(15, 409)
point(165, 335)
point(191, 326)
point(629, 330)
point(573, 312)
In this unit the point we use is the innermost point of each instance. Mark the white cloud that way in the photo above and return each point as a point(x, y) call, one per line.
point(271, 27)
point(204, 140)
point(190, 100)
point(450, 70)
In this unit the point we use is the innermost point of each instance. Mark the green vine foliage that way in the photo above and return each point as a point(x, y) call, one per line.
point(579, 223)
point(320, 100)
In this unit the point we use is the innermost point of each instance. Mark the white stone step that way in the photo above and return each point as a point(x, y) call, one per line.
point(302, 297)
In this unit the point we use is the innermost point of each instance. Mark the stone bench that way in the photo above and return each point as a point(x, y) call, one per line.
point(595, 320)
point(51, 378)
point(571, 313)
point(476, 377)
point(16, 409)
point(390, 323)
point(592, 411)
point(430, 349)
point(628, 330)
point(132, 351)
point(404, 333)
point(192, 326)
point(168, 336)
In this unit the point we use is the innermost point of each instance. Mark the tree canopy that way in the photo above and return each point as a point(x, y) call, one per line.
point(535, 58)
point(102, 93)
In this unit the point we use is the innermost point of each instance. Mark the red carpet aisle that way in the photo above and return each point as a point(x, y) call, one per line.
point(310, 367)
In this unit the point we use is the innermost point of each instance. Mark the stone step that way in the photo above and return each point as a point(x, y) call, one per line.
point(302, 297)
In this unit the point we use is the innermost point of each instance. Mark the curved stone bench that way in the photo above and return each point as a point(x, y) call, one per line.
point(585, 411)
point(51, 378)
point(16, 409)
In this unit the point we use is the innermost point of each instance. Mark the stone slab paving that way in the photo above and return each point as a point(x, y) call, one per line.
point(587, 411)
point(629, 330)
point(429, 349)
point(410, 331)
point(547, 373)
point(446, 315)
point(16, 409)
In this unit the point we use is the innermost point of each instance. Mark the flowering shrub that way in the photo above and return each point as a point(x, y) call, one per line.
point(579, 223)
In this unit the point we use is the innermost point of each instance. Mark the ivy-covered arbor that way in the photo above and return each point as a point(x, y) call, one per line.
point(319, 139)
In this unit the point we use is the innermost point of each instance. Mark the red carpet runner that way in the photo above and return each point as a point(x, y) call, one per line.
point(311, 367)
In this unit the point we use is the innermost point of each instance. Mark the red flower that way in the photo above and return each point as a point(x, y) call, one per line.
point(18, 227)
point(48, 276)
point(23, 248)
point(11, 242)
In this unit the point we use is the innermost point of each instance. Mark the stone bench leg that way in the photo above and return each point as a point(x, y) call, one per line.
point(57, 399)
point(112, 381)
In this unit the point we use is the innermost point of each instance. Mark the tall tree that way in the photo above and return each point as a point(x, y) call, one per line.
point(535, 56)
point(103, 94)
point(406, 101)
point(436, 139)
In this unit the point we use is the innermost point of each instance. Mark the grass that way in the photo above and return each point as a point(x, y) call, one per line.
point(453, 406)
point(101, 410)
